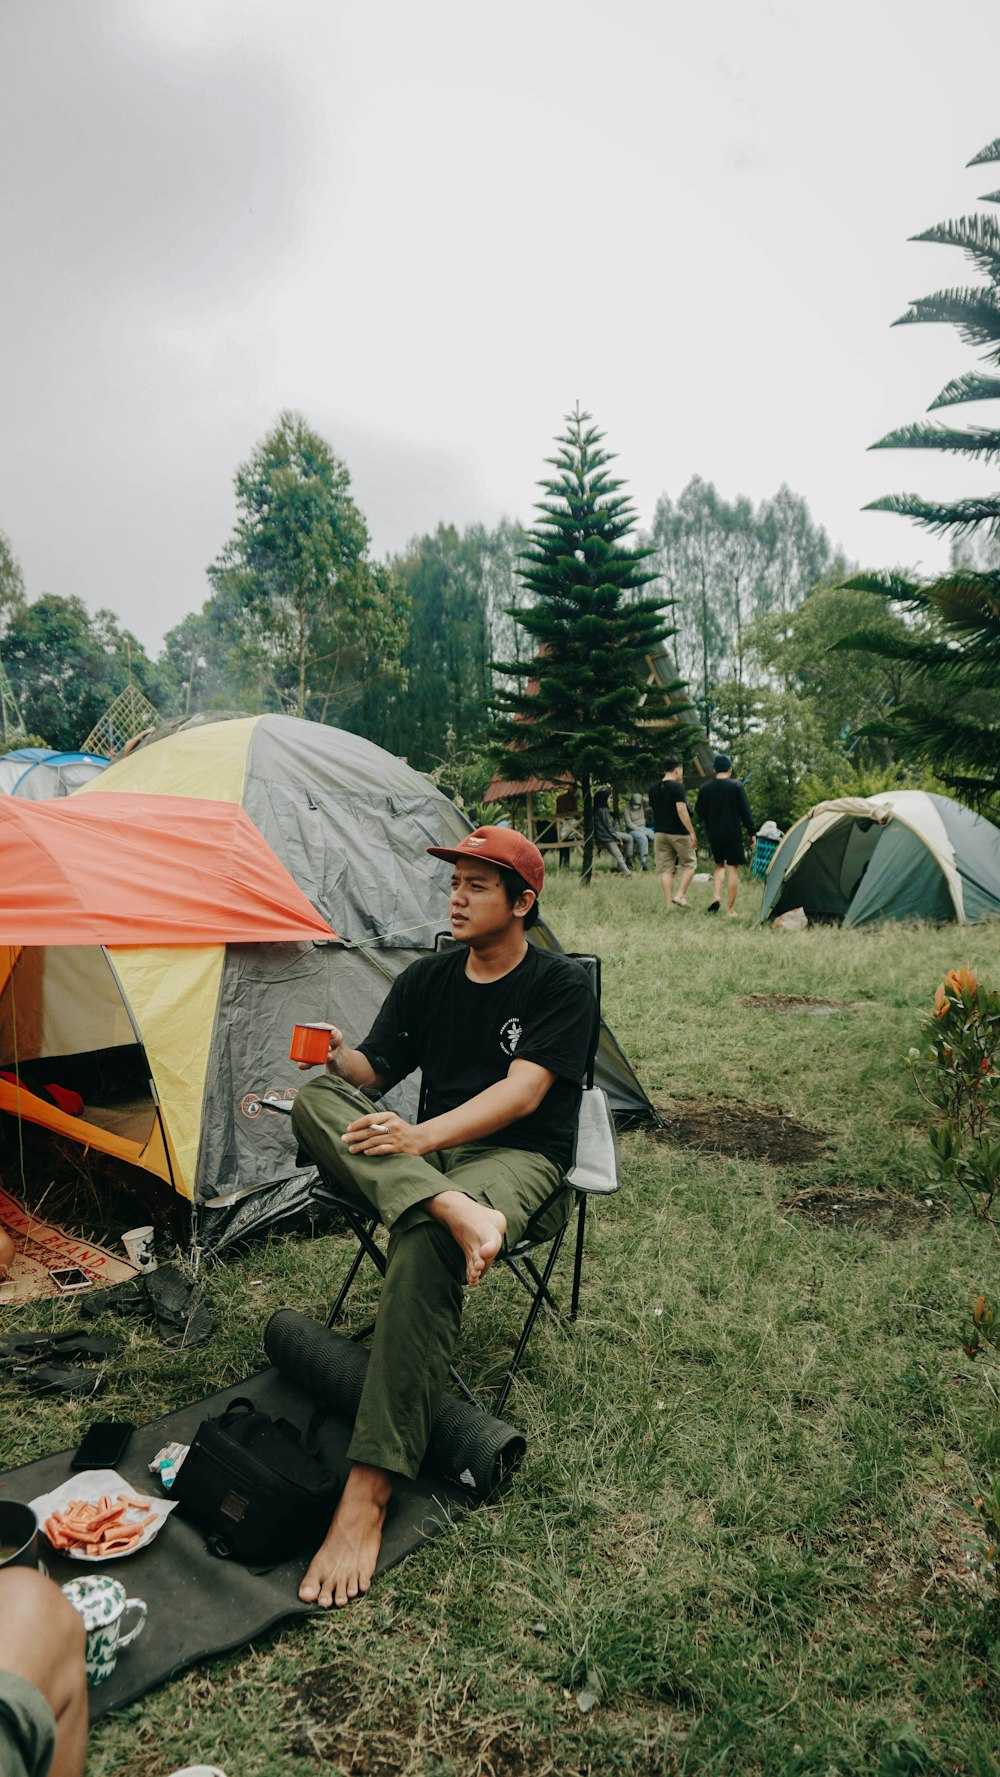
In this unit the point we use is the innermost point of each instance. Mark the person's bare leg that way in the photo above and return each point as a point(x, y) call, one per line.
point(478, 1229)
point(717, 874)
point(344, 1563)
point(43, 1639)
point(686, 879)
point(667, 880)
point(733, 885)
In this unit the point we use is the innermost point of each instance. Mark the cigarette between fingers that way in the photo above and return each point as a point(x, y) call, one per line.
point(381, 1128)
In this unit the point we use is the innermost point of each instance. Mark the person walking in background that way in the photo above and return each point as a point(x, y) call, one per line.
point(634, 817)
point(673, 833)
point(610, 838)
point(723, 806)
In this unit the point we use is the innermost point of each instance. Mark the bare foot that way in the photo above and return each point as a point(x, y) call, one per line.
point(478, 1229)
point(342, 1566)
point(679, 903)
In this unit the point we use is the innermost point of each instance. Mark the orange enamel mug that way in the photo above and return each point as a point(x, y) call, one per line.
point(310, 1043)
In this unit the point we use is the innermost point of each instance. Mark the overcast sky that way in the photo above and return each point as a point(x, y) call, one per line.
point(434, 227)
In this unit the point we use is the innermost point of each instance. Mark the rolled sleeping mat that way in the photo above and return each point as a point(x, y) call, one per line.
point(466, 1445)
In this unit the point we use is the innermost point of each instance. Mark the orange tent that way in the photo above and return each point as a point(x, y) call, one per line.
point(126, 869)
point(115, 916)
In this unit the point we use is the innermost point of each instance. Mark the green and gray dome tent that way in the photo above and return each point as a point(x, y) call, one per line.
point(903, 854)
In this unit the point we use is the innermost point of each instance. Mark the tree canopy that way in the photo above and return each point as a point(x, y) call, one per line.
point(65, 667)
point(724, 564)
point(585, 706)
point(314, 619)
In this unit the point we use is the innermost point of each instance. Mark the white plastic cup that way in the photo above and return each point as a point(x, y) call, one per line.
point(138, 1243)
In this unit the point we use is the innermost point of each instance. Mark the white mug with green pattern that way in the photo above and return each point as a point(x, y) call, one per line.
point(102, 1603)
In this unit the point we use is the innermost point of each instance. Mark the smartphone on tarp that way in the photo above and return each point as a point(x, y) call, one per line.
point(70, 1277)
point(102, 1444)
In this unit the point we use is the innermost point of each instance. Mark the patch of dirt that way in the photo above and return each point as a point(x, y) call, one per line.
point(744, 1131)
point(337, 1719)
point(891, 1213)
point(798, 1002)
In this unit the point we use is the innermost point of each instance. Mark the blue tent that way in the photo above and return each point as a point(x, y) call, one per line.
point(37, 773)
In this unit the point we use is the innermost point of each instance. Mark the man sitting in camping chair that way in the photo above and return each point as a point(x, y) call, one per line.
point(502, 1031)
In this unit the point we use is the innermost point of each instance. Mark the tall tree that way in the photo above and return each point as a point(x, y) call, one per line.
point(795, 552)
point(12, 604)
point(687, 539)
point(726, 563)
point(447, 652)
point(12, 599)
point(66, 667)
point(845, 691)
point(317, 619)
point(953, 720)
point(586, 707)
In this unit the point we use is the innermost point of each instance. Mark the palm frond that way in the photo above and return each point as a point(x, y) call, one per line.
point(969, 603)
point(978, 236)
point(934, 658)
point(978, 441)
point(974, 312)
point(888, 584)
point(946, 739)
point(990, 197)
point(990, 152)
point(958, 516)
point(971, 387)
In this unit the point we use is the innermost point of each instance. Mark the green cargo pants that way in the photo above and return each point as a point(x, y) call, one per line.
point(420, 1308)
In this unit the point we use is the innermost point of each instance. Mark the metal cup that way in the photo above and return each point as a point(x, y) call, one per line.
point(18, 1534)
point(310, 1043)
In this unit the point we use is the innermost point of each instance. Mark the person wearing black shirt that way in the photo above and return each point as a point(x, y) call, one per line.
point(673, 833)
point(723, 806)
point(502, 1032)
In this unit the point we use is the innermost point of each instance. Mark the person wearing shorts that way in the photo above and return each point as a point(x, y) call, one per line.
point(673, 833)
point(43, 1679)
point(723, 806)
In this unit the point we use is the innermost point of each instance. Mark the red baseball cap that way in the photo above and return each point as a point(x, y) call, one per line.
point(500, 846)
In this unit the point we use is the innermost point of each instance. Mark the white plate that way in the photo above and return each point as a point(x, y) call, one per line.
point(91, 1485)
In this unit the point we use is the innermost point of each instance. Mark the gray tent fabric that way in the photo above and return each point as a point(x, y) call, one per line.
point(898, 855)
point(351, 824)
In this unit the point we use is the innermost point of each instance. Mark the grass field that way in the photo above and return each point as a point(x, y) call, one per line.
point(743, 1519)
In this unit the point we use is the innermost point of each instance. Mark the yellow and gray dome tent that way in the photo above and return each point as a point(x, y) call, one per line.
point(903, 854)
point(351, 825)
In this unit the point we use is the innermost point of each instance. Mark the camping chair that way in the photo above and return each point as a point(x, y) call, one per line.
point(593, 1173)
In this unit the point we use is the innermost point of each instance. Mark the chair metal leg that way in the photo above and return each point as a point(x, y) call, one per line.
point(541, 1295)
point(578, 1262)
point(356, 1264)
point(534, 1283)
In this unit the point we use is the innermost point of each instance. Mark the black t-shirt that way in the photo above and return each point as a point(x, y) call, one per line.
point(723, 806)
point(465, 1034)
point(665, 798)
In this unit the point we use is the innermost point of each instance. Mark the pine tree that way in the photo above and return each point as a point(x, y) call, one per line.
point(586, 705)
point(955, 722)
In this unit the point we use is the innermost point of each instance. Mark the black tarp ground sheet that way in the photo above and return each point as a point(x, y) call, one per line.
point(200, 1606)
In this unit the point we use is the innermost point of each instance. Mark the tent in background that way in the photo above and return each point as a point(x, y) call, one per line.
point(351, 824)
point(114, 920)
point(38, 773)
point(903, 854)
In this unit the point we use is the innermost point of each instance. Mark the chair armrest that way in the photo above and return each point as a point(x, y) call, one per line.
point(595, 1169)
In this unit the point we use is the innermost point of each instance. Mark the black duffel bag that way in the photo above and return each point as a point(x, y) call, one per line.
point(249, 1484)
